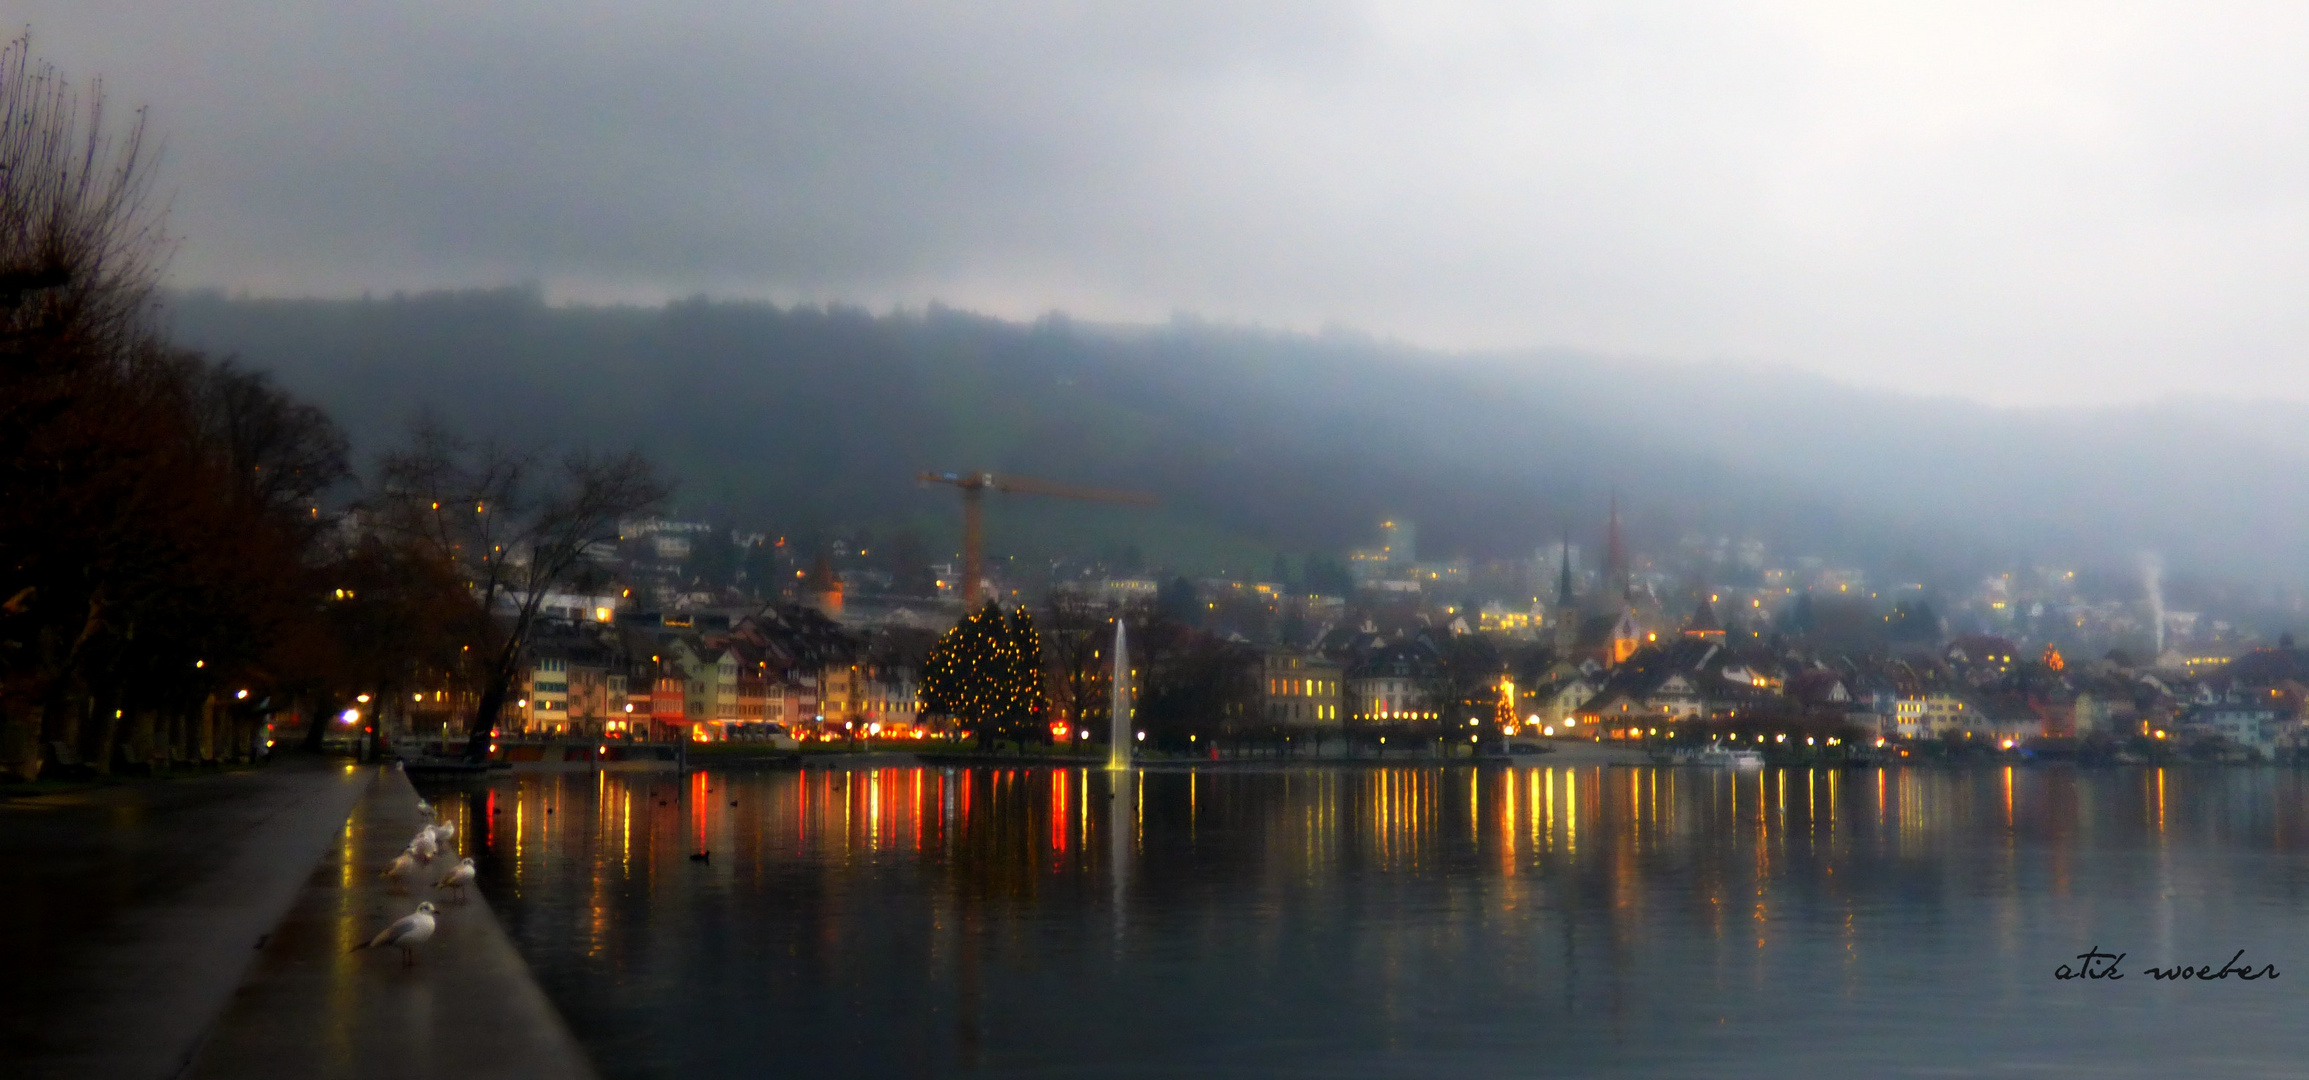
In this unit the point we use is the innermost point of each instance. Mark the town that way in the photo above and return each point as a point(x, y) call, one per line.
point(1380, 654)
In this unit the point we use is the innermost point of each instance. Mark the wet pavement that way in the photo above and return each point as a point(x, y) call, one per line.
point(134, 910)
point(313, 1007)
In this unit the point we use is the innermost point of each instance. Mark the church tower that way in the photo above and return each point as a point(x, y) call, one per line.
point(1627, 634)
point(1567, 614)
point(1615, 554)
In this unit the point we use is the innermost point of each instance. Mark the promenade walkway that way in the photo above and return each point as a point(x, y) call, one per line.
point(312, 1008)
point(201, 927)
point(132, 911)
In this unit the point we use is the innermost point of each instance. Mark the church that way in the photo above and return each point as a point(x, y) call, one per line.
point(1613, 622)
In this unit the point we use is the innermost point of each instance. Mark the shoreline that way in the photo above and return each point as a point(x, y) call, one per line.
point(310, 1006)
point(148, 895)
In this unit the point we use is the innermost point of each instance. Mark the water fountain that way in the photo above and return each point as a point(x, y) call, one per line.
point(2153, 583)
point(1118, 705)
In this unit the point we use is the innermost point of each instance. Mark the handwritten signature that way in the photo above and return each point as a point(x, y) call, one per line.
point(2100, 965)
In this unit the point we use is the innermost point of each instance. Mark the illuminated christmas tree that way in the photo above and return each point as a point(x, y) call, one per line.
point(1028, 716)
point(986, 673)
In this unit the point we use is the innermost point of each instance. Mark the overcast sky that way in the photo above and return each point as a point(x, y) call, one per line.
point(2092, 202)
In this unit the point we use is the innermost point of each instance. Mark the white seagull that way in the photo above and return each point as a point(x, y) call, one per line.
point(424, 845)
point(457, 878)
point(401, 866)
point(425, 808)
point(445, 832)
point(414, 929)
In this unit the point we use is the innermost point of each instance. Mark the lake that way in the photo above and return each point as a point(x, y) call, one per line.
point(1407, 922)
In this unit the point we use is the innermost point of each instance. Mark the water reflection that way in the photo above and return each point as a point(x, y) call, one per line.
point(1398, 921)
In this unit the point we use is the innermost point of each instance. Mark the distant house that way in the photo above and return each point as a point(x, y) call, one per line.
point(1928, 714)
point(2105, 710)
point(1555, 703)
point(1301, 689)
point(1689, 678)
point(2255, 718)
point(2003, 716)
point(1389, 684)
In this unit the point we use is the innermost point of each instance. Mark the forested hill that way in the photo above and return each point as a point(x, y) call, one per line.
point(811, 421)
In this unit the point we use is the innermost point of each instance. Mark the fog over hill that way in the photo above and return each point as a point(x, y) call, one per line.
point(811, 421)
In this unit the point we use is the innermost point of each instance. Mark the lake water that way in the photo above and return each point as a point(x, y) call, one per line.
point(1408, 922)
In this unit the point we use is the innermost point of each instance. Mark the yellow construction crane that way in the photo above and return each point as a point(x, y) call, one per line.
point(974, 488)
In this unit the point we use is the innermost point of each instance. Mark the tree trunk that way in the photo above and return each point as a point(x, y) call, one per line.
point(20, 743)
point(140, 749)
point(57, 713)
point(101, 733)
point(485, 716)
point(93, 739)
point(316, 721)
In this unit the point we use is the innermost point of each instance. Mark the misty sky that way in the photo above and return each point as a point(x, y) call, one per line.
point(2045, 203)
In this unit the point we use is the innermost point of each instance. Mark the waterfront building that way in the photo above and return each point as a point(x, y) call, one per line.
point(1301, 689)
point(1389, 684)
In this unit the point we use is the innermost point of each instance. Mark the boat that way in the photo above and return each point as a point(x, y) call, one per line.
point(1718, 756)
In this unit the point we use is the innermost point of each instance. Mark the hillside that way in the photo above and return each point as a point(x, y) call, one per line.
point(812, 421)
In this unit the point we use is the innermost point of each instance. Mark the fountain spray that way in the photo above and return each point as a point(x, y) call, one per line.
point(2153, 582)
point(1118, 705)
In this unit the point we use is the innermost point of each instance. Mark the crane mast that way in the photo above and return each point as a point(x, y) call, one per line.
point(974, 486)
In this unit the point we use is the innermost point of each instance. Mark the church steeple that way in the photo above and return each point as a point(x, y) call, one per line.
point(1566, 613)
point(1615, 556)
point(1563, 595)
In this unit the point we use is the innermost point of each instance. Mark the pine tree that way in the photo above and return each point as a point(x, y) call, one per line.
point(1028, 709)
point(986, 673)
point(960, 677)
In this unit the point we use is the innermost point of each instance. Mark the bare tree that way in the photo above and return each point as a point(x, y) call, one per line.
point(80, 242)
point(1462, 683)
point(514, 527)
point(1077, 631)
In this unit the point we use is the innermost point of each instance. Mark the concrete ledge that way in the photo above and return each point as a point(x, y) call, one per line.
point(138, 907)
point(313, 1008)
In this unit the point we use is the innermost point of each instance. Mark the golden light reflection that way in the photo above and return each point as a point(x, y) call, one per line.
point(1550, 809)
point(2008, 798)
point(1507, 822)
point(1570, 812)
point(1811, 801)
point(2160, 802)
point(1532, 807)
point(1833, 798)
point(1474, 809)
point(1672, 843)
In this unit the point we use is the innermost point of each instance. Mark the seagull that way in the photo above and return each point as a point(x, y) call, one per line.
point(441, 837)
point(425, 846)
point(402, 864)
point(457, 878)
point(414, 929)
point(425, 808)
